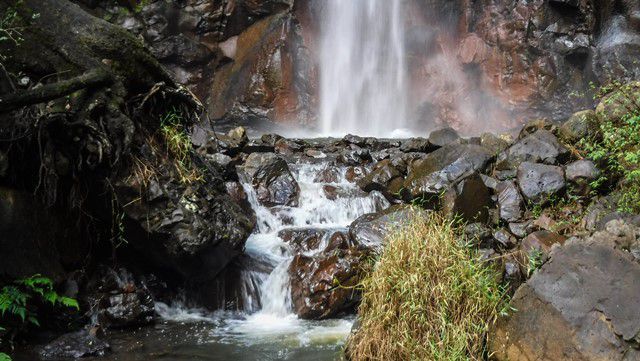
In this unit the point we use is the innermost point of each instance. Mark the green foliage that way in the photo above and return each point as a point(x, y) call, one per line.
point(535, 261)
point(179, 146)
point(4, 357)
point(15, 298)
point(10, 28)
point(429, 297)
point(617, 147)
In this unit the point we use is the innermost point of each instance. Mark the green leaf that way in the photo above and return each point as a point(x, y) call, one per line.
point(70, 302)
point(4, 357)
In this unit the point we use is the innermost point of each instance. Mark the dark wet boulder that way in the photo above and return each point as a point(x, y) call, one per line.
point(354, 156)
point(510, 201)
point(230, 143)
point(287, 146)
point(303, 239)
point(539, 147)
point(271, 178)
point(190, 231)
point(275, 185)
point(270, 139)
point(581, 305)
point(354, 173)
point(370, 230)
point(470, 199)
point(127, 309)
point(322, 286)
point(581, 125)
point(439, 170)
point(540, 181)
point(328, 174)
point(75, 345)
point(445, 136)
point(380, 177)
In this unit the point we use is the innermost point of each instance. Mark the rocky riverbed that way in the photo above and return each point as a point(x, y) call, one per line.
point(303, 216)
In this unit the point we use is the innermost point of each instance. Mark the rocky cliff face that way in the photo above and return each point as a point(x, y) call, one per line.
point(475, 65)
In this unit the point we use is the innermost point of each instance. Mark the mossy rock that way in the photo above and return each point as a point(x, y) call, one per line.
point(619, 102)
point(581, 125)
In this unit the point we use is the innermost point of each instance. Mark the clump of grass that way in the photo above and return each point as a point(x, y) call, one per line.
point(179, 147)
point(429, 297)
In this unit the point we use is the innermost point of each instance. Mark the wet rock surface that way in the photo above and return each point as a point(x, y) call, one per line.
point(539, 181)
point(80, 344)
point(323, 286)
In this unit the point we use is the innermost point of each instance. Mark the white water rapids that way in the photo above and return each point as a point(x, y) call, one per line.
point(275, 321)
point(363, 69)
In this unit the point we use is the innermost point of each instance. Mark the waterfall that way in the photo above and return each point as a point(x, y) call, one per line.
point(363, 70)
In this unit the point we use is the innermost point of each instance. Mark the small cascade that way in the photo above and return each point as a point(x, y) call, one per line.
point(363, 68)
point(315, 211)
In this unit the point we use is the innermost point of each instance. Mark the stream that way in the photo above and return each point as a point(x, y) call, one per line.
point(268, 330)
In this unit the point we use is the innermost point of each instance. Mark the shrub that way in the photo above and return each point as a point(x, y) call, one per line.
point(617, 146)
point(19, 298)
point(429, 297)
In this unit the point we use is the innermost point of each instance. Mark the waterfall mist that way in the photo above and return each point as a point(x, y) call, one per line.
point(363, 68)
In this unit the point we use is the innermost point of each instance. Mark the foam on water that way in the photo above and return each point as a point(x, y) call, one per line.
point(275, 320)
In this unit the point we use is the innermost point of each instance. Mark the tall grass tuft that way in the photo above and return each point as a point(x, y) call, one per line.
point(429, 297)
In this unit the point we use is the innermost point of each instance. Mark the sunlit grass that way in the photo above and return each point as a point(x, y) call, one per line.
point(428, 298)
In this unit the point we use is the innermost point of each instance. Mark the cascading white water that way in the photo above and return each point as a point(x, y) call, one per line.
point(363, 70)
point(315, 210)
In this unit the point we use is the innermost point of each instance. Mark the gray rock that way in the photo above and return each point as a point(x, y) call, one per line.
point(444, 136)
point(271, 178)
point(74, 346)
point(510, 201)
point(582, 169)
point(380, 177)
point(370, 230)
point(588, 291)
point(539, 181)
point(420, 145)
point(541, 146)
point(493, 143)
point(444, 167)
point(579, 126)
point(505, 239)
point(127, 309)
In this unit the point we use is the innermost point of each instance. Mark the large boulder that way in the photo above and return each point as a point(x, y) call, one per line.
point(436, 172)
point(75, 345)
point(370, 230)
point(323, 286)
point(188, 232)
point(441, 137)
point(271, 178)
point(539, 181)
point(127, 309)
point(581, 125)
point(380, 177)
point(581, 305)
point(539, 147)
point(470, 200)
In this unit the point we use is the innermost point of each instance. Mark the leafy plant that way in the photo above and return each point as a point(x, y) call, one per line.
point(4, 357)
point(15, 298)
point(617, 147)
